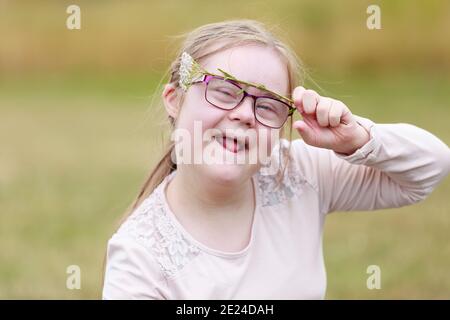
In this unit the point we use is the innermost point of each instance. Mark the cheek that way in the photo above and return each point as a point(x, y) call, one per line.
point(272, 136)
point(267, 139)
point(198, 120)
point(200, 111)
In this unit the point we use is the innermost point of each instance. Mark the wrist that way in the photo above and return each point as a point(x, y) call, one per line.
point(360, 140)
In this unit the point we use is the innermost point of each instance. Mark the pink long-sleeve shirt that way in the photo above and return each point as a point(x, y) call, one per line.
point(152, 256)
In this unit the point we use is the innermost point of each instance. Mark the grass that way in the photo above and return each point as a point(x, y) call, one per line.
point(75, 151)
point(77, 135)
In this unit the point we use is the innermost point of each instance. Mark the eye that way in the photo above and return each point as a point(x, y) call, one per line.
point(265, 107)
point(225, 91)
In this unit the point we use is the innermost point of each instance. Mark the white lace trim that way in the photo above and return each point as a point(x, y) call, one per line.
point(153, 228)
point(291, 184)
point(271, 194)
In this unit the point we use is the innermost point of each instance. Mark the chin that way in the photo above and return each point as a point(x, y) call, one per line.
point(227, 173)
point(225, 167)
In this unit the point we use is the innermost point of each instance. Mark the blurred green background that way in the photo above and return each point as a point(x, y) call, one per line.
point(79, 131)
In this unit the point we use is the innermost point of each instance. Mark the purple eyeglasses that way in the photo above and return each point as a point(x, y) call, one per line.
point(226, 94)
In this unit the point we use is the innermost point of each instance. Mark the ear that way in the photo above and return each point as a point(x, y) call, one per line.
point(171, 98)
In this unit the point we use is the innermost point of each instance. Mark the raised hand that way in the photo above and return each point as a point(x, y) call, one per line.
point(327, 123)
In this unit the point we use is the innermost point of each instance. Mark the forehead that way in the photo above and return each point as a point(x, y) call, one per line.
point(251, 63)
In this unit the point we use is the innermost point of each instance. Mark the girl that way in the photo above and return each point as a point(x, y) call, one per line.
point(225, 230)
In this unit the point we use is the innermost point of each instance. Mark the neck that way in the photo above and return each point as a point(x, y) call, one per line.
point(209, 196)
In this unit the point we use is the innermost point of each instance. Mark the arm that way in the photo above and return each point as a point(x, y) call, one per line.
point(400, 165)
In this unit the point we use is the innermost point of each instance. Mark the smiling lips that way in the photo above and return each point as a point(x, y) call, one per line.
point(232, 144)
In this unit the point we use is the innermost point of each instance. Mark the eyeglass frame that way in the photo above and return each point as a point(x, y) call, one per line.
point(206, 78)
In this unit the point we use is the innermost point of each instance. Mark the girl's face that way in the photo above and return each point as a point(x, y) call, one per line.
point(251, 63)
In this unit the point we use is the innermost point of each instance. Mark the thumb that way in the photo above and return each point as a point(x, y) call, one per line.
point(304, 130)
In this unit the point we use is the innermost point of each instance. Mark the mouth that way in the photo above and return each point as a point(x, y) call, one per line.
point(232, 144)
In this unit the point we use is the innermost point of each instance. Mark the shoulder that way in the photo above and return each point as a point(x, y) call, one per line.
point(285, 176)
point(312, 161)
point(150, 230)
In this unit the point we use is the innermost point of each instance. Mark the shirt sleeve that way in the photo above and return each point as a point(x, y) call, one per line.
point(400, 165)
point(131, 272)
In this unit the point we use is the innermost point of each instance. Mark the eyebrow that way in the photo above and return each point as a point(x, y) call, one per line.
point(263, 93)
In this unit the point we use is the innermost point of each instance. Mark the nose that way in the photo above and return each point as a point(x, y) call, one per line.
point(244, 112)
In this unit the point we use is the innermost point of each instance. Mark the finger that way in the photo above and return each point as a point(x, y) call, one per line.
point(335, 113)
point(347, 116)
point(310, 99)
point(322, 112)
point(297, 96)
point(306, 132)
